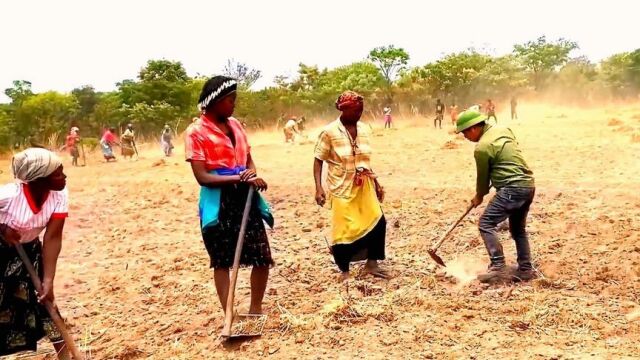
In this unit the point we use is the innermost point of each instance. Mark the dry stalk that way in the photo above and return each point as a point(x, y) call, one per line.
point(291, 323)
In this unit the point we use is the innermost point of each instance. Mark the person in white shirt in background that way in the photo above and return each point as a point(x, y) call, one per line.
point(387, 117)
point(165, 140)
point(37, 201)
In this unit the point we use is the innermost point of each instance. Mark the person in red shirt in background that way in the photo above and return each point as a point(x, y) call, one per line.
point(107, 142)
point(453, 111)
point(491, 110)
point(71, 144)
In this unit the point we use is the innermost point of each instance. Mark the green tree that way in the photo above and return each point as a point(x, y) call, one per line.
point(453, 76)
point(195, 88)
point(107, 112)
point(501, 77)
point(87, 98)
point(390, 60)
point(151, 118)
point(258, 108)
point(13, 116)
point(542, 58)
point(615, 74)
point(161, 83)
point(163, 70)
point(46, 114)
point(575, 82)
point(6, 126)
point(634, 69)
point(315, 90)
point(362, 77)
point(20, 91)
point(308, 77)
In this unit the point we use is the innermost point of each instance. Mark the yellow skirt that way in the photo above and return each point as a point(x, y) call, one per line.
point(355, 216)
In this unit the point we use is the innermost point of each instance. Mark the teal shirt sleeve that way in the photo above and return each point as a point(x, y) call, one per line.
point(483, 156)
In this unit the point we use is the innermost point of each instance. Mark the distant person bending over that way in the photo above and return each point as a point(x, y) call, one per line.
point(514, 105)
point(388, 121)
point(107, 142)
point(216, 146)
point(359, 225)
point(290, 130)
point(491, 110)
point(36, 202)
point(439, 114)
point(165, 141)
point(128, 142)
point(499, 163)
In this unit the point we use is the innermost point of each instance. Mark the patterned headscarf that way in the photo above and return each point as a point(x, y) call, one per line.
point(215, 89)
point(34, 163)
point(349, 99)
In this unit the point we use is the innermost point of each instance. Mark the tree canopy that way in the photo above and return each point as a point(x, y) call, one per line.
point(164, 93)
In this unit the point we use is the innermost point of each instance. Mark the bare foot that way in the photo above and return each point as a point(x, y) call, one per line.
point(255, 310)
point(344, 276)
point(375, 270)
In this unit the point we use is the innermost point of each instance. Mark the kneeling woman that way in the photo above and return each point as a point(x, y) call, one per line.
point(36, 202)
point(359, 226)
point(217, 148)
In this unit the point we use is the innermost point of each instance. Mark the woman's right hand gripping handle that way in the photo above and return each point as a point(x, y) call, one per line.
point(258, 183)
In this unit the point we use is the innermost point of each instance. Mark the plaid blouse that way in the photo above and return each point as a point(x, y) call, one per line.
point(343, 156)
point(205, 141)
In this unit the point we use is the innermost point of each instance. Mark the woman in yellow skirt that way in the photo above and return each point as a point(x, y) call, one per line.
point(128, 142)
point(359, 226)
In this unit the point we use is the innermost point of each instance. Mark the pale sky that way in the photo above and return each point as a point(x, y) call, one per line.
point(63, 44)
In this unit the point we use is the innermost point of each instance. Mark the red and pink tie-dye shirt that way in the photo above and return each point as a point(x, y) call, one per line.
point(206, 142)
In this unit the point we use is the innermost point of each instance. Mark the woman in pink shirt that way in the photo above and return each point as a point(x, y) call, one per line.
point(107, 142)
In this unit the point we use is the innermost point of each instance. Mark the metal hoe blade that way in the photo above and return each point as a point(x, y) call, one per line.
point(436, 258)
point(432, 251)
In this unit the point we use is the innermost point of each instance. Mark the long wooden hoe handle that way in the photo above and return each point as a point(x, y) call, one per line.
point(51, 308)
point(444, 237)
point(228, 319)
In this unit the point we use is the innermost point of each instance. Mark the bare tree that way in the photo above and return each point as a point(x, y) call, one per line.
point(245, 75)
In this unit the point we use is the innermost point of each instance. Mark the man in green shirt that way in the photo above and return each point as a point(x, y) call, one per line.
point(500, 164)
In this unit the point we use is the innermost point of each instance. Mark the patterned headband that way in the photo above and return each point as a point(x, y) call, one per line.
point(223, 90)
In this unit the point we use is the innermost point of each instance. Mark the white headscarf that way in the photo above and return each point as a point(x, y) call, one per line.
point(34, 163)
